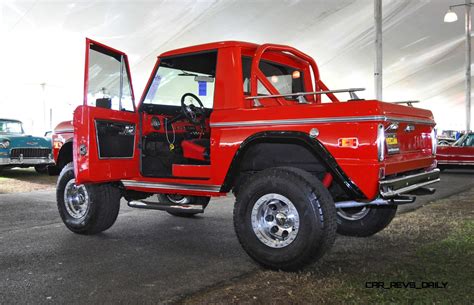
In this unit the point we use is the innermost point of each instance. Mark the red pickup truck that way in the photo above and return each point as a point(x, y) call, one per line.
point(253, 119)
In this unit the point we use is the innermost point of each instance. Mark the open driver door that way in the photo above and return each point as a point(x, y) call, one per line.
point(105, 126)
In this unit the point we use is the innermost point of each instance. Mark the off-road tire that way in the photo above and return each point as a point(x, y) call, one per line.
point(315, 207)
point(204, 201)
point(104, 205)
point(375, 220)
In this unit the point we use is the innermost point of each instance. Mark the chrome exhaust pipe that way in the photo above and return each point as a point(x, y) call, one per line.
point(354, 204)
point(183, 208)
point(377, 202)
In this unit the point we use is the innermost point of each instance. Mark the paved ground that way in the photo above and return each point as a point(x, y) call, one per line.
point(452, 182)
point(146, 257)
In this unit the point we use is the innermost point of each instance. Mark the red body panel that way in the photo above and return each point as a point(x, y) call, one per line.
point(88, 167)
point(234, 120)
point(196, 171)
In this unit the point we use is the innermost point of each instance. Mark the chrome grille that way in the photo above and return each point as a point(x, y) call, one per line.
point(30, 152)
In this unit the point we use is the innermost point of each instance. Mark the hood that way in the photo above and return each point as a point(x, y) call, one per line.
point(22, 140)
point(64, 127)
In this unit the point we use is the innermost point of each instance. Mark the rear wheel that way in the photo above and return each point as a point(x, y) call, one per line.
point(176, 199)
point(364, 221)
point(86, 209)
point(284, 218)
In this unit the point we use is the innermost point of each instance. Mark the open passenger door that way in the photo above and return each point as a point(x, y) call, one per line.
point(105, 127)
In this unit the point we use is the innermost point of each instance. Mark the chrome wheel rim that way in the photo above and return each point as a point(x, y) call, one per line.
point(356, 215)
point(178, 199)
point(275, 220)
point(76, 199)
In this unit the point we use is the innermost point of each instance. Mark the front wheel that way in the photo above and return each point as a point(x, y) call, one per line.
point(284, 218)
point(364, 221)
point(86, 208)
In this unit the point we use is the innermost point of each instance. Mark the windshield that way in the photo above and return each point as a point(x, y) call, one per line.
point(465, 140)
point(10, 127)
point(460, 140)
point(184, 74)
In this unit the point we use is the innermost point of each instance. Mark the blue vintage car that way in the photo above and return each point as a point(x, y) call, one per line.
point(20, 150)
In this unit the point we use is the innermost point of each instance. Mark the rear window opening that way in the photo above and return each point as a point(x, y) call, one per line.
point(284, 78)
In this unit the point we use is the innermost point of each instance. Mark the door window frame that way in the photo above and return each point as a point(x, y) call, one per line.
point(124, 62)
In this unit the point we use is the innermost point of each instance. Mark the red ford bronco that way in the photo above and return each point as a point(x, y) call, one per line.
point(253, 119)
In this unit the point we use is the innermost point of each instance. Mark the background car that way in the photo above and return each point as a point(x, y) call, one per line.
point(458, 155)
point(61, 138)
point(20, 150)
point(445, 141)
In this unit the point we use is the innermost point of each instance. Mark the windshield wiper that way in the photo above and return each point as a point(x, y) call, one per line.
point(186, 74)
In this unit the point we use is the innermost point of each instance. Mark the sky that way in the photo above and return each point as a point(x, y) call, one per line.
point(43, 44)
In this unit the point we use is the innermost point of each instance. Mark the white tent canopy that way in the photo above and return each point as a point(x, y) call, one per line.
point(43, 43)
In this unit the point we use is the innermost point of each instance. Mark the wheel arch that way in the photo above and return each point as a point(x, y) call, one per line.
point(294, 139)
point(65, 154)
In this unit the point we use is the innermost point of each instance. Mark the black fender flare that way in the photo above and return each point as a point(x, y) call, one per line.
point(61, 153)
point(315, 146)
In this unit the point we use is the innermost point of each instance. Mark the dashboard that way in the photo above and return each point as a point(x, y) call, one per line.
point(155, 123)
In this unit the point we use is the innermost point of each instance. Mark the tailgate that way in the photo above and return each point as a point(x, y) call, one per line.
point(410, 141)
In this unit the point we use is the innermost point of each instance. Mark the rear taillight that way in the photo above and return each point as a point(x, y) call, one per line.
point(381, 142)
point(434, 142)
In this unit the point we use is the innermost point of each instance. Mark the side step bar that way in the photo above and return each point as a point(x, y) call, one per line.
point(395, 201)
point(183, 208)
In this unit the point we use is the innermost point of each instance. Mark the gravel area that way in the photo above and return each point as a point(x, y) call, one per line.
point(25, 180)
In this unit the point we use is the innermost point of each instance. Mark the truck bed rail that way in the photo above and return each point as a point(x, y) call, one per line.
point(301, 95)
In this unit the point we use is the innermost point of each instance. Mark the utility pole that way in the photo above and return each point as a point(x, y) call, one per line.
point(452, 17)
point(43, 87)
point(468, 64)
point(50, 119)
point(378, 76)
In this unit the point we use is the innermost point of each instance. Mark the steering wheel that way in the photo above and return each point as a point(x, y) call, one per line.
point(195, 114)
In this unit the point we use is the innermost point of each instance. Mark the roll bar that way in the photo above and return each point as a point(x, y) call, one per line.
point(409, 103)
point(319, 87)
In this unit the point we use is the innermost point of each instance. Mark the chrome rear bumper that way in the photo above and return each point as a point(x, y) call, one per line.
point(393, 187)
